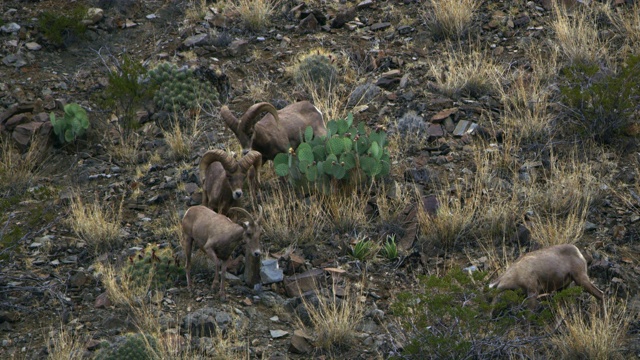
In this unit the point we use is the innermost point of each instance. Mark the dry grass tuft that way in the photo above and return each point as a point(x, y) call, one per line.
point(449, 18)
point(590, 336)
point(346, 212)
point(557, 229)
point(577, 34)
point(196, 10)
point(65, 344)
point(182, 142)
point(466, 73)
point(289, 219)
point(126, 149)
point(333, 319)
point(18, 171)
point(96, 224)
point(454, 218)
point(255, 14)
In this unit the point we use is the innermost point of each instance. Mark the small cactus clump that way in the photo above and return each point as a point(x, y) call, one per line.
point(130, 346)
point(161, 264)
point(317, 69)
point(411, 124)
point(179, 88)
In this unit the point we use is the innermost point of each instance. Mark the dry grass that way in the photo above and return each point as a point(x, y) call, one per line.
point(334, 319)
point(97, 225)
point(454, 218)
point(577, 34)
point(626, 20)
point(465, 73)
point(18, 171)
point(558, 229)
point(449, 18)
point(196, 10)
point(346, 211)
point(65, 344)
point(126, 149)
point(182, 142)
point(589, 336)
point(289, 219)
point(255, 14)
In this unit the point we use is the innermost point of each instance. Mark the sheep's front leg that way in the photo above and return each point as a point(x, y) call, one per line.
point(583, 280)
point(225, 264)
point(216, 262)
point(532, 300)
point(187, 251)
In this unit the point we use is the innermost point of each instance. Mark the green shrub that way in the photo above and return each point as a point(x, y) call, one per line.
point(318, 70)
point(59, 28)
point(601, 103)
point(73, 125)
point(346, 154)
point(390, 248)
point(452, 317)
point(179, 88)
point(161, 264)
point(130, 346)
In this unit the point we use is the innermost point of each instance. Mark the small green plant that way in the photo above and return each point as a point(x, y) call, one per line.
point(73, 125)
point(390, 248)
point(162, 264)
point(179, 88)
point(59, 28)
point(133, 346)
point(602, 103)
point(346, 154)
point(318, 70)
point(364, 249)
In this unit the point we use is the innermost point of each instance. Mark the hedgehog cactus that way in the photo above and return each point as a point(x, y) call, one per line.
point(162, 264)
point(179, 88)
point(130, 346)
point(346, 152)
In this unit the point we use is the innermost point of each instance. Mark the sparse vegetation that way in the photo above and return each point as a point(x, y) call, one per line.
point(390, 249)
point(449, 19)
point(364, 249)
point(255, 14)
point(64, 27)
point(98, 225)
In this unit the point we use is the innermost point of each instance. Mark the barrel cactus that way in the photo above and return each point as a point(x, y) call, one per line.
point(179, 88)
point(162, 264)
point(318, 70)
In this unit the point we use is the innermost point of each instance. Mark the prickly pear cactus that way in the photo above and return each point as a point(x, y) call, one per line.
point(179, 88)
point(346, 153)
point(162, 264)
point(319, 70)
point(74, 123)
point(130, 346)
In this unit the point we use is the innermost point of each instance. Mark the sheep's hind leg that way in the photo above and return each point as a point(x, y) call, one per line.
point(187, 252)
point(216, 262)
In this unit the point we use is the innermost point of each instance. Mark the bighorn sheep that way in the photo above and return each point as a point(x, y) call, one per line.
point(222, 178)
point(276, 131)
point(218, 236)
point(546, 270)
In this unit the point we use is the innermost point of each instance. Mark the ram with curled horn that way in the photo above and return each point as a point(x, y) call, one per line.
point(278, 130)
point(222, 178)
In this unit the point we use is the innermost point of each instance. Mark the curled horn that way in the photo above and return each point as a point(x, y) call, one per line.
point(242, 211)
point(250, 117)
point(252, 158)
point(228, 163)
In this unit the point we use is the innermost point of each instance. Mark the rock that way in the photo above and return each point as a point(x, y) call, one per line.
point(343, 17)
point(309, 24)
point(79, 279)
point(16, 120)
point(25, 132)
point(300, 342)
point(33, 46)
point(389, 79)
point(363, 94)
point(380, 26)
point(270, 272)
point(195, 40)
point(204, 322)
point(102, 301)
point(435, 131)
point(443, 114)
point(365, 4)
point(10, 28)
point(238, 47)
point(94, 15)
point(276, 334)
point(301, 283)
point(461, 128)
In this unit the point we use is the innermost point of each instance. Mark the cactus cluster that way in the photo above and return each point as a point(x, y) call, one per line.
point(162, 264)
point(179, 88)
point(346, 152)
point(74, 123)
point(130, 346)
point(317, 69)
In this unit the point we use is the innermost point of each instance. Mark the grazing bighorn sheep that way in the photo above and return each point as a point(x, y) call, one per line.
point(546, 270)
point(222, 178)
point(278, 130)
point(218, 236)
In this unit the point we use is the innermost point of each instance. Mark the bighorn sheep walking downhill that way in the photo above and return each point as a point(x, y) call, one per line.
point(546, 270)
point(276, 131)
point(222, 178)
point(218, 237)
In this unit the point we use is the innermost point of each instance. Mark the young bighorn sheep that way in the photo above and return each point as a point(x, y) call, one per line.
point(278, 130)
point(546, 270)
point(222, 178)
point(218, 236)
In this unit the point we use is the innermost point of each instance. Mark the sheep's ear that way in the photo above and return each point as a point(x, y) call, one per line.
point(245, 225)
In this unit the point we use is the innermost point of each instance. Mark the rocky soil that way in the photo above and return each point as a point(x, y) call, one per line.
point(48, 277)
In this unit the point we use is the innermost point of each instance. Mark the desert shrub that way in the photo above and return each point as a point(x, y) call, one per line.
point(347, 154)
point(72, 125)
point(179, 88)
point(134, 346)
point(449, 19)
point(162, 264)
point(62, 28)
point(601, 102)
